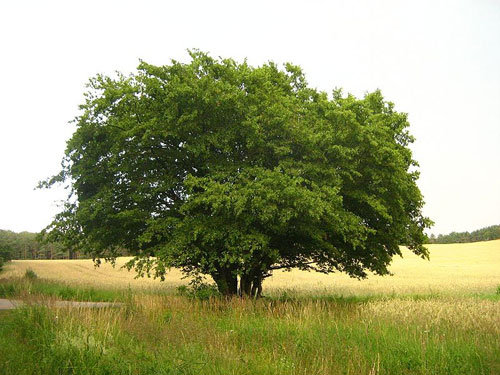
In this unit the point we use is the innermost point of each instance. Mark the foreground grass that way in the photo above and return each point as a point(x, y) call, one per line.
point(307, 334)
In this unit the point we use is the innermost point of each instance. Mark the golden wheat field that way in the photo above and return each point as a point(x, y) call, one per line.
point(453, 268)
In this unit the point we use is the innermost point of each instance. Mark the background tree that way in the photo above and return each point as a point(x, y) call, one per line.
point(234, 171)
point(5, 254)
point(484, 234)
point(6, 251)
point(27, 245)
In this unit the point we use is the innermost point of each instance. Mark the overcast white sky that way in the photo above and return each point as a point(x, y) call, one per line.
point(439, 61)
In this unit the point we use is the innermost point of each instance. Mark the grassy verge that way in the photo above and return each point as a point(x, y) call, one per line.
point(31, 288)
point(168, 334)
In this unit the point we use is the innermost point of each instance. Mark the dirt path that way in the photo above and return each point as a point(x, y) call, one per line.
point(6, 304)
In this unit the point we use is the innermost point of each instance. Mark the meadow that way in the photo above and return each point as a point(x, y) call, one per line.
point(431, 317)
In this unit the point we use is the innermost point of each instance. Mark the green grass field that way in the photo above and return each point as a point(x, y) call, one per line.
point(437, 317)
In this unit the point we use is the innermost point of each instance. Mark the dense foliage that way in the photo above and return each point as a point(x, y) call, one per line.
point(230, 170)
point(484, 234)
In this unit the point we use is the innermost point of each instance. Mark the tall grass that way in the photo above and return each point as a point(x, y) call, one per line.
point(157, 334)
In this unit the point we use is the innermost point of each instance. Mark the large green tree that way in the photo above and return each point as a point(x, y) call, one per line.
point(221, 168)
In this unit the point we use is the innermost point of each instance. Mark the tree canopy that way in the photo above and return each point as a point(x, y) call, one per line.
point(221, 168)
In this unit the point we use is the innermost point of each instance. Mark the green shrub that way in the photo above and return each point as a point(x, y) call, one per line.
point(1, 263)
point(498, 289)
point(30, 274)
point(198, 289)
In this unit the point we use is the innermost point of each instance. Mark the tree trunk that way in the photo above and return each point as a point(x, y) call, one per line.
point(251, 285)
point(257, 288)
point(245, 285)
point(227, 282)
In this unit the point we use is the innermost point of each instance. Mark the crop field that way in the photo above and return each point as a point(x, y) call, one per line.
point(453, 268)
point(432, 317)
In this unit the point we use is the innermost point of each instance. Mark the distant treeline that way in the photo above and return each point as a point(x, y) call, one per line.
point(26, 245)
point(483, 234)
